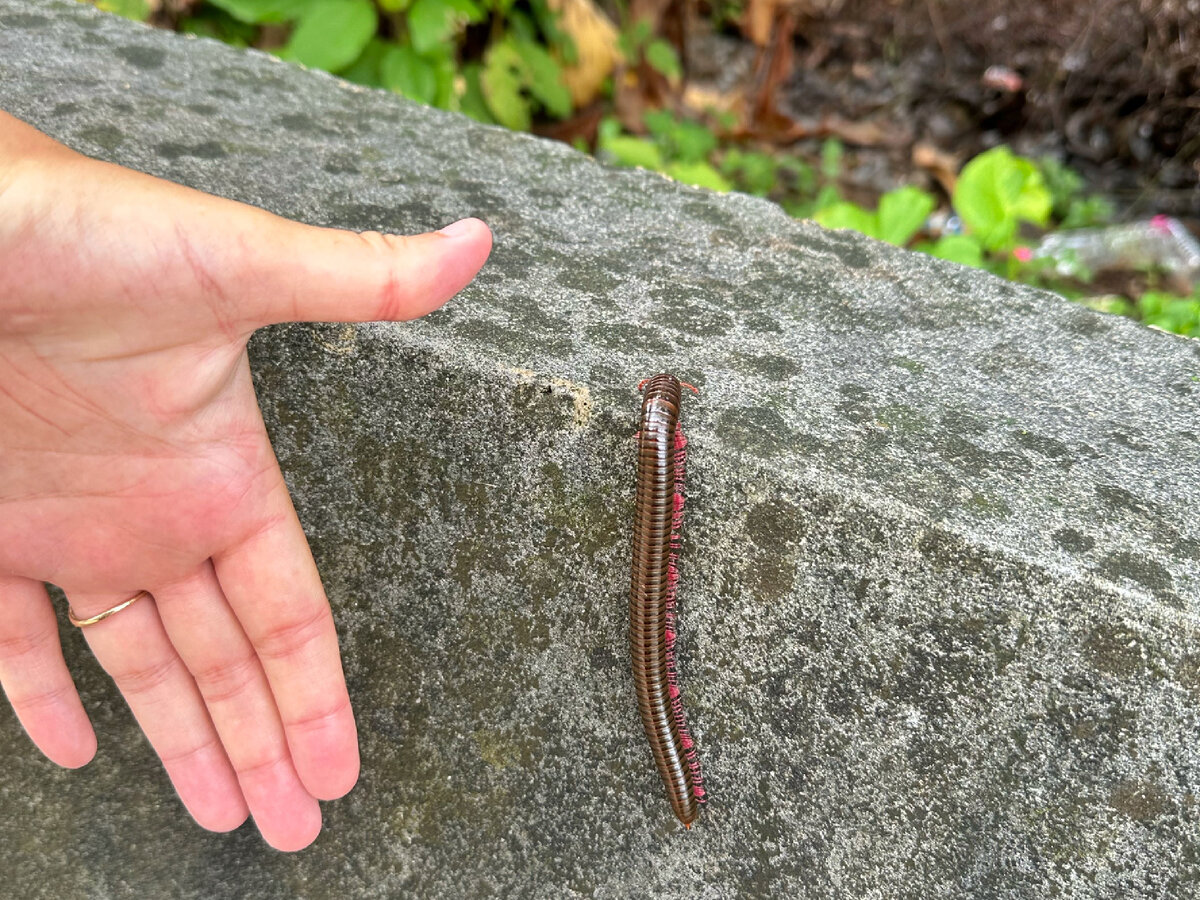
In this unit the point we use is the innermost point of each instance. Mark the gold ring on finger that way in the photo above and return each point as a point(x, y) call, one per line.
point(100, 617)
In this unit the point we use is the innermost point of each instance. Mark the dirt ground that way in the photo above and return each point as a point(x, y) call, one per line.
point(1111, 87)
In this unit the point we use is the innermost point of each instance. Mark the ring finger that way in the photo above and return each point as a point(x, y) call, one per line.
point(134, 649)
point(226, 669)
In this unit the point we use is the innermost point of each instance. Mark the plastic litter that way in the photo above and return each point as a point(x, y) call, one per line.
point(1160, 243)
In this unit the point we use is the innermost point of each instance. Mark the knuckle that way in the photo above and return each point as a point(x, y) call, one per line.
point(144, 676)
point(288, 640)
point(226, 679)
point(176, 757)
point(315, 720)
point(18, 645)
point(248, 768)
point(43, 698)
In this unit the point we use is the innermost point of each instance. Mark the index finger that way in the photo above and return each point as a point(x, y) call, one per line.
point(271, 582)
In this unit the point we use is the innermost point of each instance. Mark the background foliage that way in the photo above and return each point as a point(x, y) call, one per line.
point(620, 90)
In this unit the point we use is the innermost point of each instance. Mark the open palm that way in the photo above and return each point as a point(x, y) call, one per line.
point(133, 457)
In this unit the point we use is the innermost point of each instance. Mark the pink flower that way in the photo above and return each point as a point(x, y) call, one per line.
point(1022, 254)
point(1161, 224)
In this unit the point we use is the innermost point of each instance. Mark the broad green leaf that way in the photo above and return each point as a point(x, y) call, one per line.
point(901, 214)
point(262, 12)
point(445, 69)
point(662, 58)
point(366, 69)
point(393, 6)
point(470, 96)
point(501, 80)
point(700, 174)
point(138, 10)
point(959, 248)
point(332, 33)
point(995, 192)
point(545, 79)
point(631, 151)
point(406, 72)
point(847, 215)
point(432, 23)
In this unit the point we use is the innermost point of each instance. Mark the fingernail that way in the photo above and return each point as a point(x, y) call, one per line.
point(458, 229)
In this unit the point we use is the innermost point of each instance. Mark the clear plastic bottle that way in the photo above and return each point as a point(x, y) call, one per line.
point(1161, 243)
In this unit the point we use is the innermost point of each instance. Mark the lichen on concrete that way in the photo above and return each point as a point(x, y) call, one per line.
point(941, 567)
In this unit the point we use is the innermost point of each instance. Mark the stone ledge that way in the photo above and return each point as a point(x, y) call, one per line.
point(942, 559)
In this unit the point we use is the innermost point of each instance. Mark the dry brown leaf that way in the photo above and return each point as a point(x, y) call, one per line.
point(702, 100)
point(941, 165)
point(595, 38)
point(757, 19)
point(863, 132)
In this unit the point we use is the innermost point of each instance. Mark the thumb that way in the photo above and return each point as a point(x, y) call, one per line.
point(300, 273)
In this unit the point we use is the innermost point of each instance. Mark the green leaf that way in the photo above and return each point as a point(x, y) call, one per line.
point(995, 192)
point(1085, 212)
point(557, 39)
point(432, 23)
point(831, 158)
point(545, 79)
point(445, 69)
point(501, 80)
point(847, 215)
point(406, 72)
point(755, 171)
point(471, 100)
point(332, 33)
point(959, 248)
point(215, 23)
point(662, 58)
point(393, 6)
point(521, 27)
point(366, 69)
point(632, 151)
point(700, 174)
point(680, 139)
point(693, 142)
point(633, 37)
point(827, 196)
point(901, 214)
point(802, 173)
point(262, 12)
point(138, 10)
point(1171, 312)
point(1064, 184)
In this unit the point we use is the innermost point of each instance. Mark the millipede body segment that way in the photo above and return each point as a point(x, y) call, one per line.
point(659, 514)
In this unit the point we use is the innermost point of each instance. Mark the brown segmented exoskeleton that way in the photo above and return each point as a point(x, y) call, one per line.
point(656, 523)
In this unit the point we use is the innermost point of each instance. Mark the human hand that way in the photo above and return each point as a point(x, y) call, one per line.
point(133, 456)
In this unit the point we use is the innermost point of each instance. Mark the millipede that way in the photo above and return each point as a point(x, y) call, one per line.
point(661, 452)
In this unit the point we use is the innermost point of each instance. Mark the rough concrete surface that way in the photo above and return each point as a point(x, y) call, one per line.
point(941, 567)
